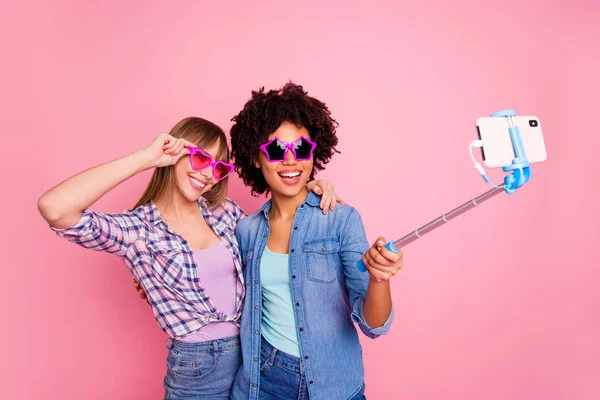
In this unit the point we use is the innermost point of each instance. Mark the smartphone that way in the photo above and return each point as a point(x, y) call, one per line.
point(497, 150)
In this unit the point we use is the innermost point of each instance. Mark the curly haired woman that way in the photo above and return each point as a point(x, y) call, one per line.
point(303, 289)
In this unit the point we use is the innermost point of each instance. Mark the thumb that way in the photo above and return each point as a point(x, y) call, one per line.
point(380, 242)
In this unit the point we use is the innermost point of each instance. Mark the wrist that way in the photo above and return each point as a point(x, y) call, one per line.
point(143, 159)
point(373, 281)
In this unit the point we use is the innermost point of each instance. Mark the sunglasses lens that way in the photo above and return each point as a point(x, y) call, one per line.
point(276, 150)
point(200, 161)
point(303, 149)
point(221, 170)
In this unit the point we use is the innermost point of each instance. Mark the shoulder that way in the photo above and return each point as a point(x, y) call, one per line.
point(232, 207)
point(146, 214)
point(342, 214)
point(228, 210)
point(250, 222)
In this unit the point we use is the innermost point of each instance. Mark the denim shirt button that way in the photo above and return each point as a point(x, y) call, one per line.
point(301, 329)
point(254, 385)
point(293, 250)
point(256, 307)
point(255, 359)
point(293, 276)
point(295, 228)
point(306, 357)
point(265, 235)
point(256, 332)
point(256, 281)
point(311, 382)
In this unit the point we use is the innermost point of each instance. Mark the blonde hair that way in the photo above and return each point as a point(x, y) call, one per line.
point(204, 134)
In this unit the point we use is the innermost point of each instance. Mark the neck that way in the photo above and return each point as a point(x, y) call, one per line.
point(175, 206)
point(284, 207)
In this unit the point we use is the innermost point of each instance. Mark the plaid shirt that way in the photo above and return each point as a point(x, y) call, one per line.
point(162, 261)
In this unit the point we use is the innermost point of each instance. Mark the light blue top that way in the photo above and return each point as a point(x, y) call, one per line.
point(278, 326)
point(330, 292)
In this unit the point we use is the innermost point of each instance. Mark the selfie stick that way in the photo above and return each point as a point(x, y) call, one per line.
point(520, 174)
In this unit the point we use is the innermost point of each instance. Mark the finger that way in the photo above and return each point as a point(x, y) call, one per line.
point(379, 258)
point(168, 148)
point(171, 145)
point(325, 204)
point(167, 138)
point(322, 185)
point(371, 264)
point(376, 259)
point(178, 148)
point(377, 274)
point(391, 256)
point(379, 242)
point(333, 202)
point(340, 201)
point(329, 189)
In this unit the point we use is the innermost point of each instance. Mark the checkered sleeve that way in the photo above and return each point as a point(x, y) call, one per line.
point(111, 233)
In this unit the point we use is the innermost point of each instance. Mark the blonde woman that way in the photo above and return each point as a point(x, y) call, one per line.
point(179, 244)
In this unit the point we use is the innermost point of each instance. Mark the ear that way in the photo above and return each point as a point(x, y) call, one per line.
point(256, 162)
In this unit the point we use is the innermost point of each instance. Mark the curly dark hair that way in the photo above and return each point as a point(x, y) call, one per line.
point(263, 114)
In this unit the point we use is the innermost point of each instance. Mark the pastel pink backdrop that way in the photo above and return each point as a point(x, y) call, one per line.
point(500, 304)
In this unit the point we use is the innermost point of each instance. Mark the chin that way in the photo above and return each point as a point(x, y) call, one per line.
point(288, 191)
point(191, 194)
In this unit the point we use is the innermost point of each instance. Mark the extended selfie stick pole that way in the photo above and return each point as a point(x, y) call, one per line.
point(520, 174)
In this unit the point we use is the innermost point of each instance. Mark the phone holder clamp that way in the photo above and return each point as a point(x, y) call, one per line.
point(520, 168)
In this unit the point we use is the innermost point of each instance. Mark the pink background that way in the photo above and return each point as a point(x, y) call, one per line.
point(500, 304)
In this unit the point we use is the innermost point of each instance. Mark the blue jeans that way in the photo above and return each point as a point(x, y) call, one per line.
point(282, 376)
point(202, 370)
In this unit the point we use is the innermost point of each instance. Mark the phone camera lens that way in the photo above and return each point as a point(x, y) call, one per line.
point(533, 123)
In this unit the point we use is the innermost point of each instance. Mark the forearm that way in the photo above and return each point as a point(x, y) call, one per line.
point(62, 205)
point(378, 303)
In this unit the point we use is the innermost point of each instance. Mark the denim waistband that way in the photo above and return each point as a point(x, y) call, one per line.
point(280, 358)
point(210, 346)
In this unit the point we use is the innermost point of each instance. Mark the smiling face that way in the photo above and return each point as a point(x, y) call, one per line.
point(286, 178)
point(192, 184)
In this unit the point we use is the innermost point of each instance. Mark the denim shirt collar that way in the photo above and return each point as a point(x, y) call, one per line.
point(312, 200)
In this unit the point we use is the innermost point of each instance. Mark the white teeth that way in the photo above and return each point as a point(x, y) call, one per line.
point(290, 174)
point(197, 182)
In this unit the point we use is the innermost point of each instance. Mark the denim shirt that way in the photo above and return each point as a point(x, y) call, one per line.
point(328, 292)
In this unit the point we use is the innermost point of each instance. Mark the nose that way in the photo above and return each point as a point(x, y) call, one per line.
point(207, 172)
point(289, 158)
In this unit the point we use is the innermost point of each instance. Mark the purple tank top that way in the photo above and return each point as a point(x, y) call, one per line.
point(218, 278)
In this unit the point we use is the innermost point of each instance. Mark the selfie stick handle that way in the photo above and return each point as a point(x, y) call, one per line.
point(521, 172)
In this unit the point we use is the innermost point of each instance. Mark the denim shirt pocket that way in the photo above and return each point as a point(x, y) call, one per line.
point(322, 259)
